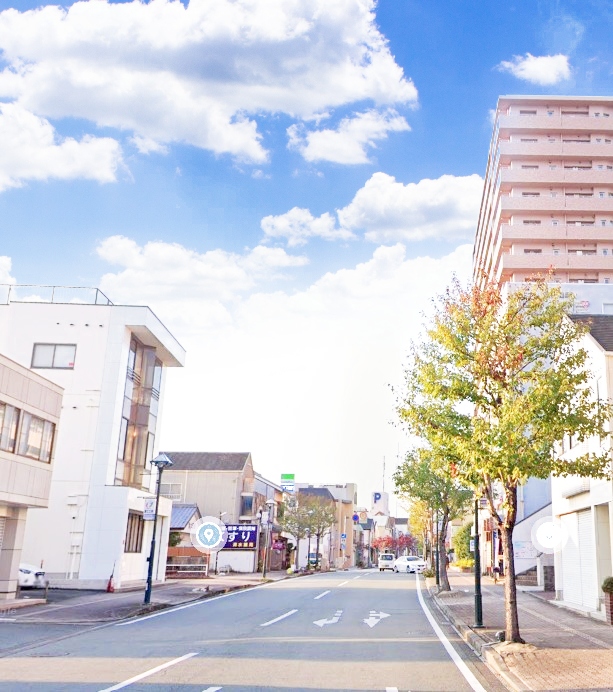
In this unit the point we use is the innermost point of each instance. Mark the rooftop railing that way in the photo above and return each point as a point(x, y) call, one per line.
point(33, 293)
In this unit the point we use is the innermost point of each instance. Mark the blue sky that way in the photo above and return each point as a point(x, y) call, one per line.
point(286, 183)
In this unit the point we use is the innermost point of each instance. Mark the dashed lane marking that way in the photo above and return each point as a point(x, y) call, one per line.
point(343, 583)
point(281, 617)
point(321, 595)
point(147, 673)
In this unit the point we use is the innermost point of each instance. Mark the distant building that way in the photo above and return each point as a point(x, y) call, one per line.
point(341, 551)
point(30, 408)
point(225, 486)
point(111, 362)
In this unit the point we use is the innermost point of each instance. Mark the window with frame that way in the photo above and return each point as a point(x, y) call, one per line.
point(35, 437)
point(54, 356)
point(134, 533)
point(9, 420)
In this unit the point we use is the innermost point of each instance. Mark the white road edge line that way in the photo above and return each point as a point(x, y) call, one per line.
point(321, 595)
point(281, 617)
point(343, 583)
point(147, 673)
point(453, 654)
point(188, 605)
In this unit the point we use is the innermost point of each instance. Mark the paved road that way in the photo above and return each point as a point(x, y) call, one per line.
point(338, 631)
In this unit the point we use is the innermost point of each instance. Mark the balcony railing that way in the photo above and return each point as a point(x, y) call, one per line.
point(34, 293)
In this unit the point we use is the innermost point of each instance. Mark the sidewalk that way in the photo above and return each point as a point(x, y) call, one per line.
point(100, 607)
point(564, 650)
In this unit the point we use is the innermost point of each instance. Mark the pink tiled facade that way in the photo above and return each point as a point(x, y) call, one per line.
point(548, 193)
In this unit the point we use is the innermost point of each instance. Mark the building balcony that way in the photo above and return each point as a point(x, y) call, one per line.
point(554, 123)
point(563, 233)
point(543, 261)
point(545, 176)
point(554, 150)
point(560, 203)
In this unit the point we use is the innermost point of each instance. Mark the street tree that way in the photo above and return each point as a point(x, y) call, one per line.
point(419, 521)
point(497, 381)
point(322, 515)
point(425, 478)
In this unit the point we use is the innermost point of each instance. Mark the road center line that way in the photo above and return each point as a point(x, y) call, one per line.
point(321, 595)
point(212, 689)
point(281, 617)
point(462, 667)
point(343, 583)
point(147, 673)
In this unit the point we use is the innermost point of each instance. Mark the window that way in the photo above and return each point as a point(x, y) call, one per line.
point(9, 418)
point(35, 437)
point(529, 167)
point(527, 112)
point(532, 251)
point(607, 281)
point(57, 356)
point(605, 252)
point(134, 533)
point(530, 194)
point(603, 222)
point(549, 113)
point(531, 222)
point(172, 491)
point(556, 251)
point(554, 222)
point(524, 139)
point(601, 195)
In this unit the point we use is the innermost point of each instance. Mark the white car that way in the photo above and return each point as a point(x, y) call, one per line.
point(30, 576)
point(386, 561)
point(409, 563)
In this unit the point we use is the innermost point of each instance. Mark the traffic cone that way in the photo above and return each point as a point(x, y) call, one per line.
point(110, 587)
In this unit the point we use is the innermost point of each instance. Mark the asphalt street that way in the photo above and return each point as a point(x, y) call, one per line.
point(338, 631)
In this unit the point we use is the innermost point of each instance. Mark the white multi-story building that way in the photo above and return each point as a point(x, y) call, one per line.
point(111, 361)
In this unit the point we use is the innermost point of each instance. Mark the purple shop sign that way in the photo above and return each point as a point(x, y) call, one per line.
point(241, 537)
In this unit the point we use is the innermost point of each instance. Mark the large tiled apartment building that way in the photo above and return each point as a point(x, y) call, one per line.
point(548, 194)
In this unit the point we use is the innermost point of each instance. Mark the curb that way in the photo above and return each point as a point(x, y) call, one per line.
point(481, 647)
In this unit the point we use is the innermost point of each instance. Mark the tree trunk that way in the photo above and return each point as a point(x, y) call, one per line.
point(442, 562)
point(510, 588)
point(297, 549)
point(317, 552)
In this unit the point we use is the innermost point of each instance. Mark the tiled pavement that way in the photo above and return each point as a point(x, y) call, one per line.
point(564, 650)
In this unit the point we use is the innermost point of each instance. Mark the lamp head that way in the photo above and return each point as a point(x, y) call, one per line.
point(270, 503)
point(161, 461)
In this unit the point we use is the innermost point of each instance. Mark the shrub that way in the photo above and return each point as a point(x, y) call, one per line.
point(464, 563)
point(461, 542)
point(607, 585)
point(428, 572)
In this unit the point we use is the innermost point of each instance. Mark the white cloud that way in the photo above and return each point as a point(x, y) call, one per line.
point(266, 369)
point(349, 143)
point(5, 270)
point(146, 145)
point(299, 225)
point(210, 280)
point(544, 70)
point(198, 74)
point(30, 149)
point(388, 211)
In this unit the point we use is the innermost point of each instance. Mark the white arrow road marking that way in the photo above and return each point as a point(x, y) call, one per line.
point(375, 618)
point(147, 673)
point(330, 621)
point(321, 595)
point(285, 615)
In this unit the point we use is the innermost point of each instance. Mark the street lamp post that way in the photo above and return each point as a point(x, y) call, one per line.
point(161, 462)
point(478, 599)
point(269, 504)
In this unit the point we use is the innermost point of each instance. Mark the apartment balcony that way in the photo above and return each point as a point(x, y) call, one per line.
point(559, 203)
point(594, 233)
point(545, 176)
point(554, 150)
point(543, 261)
point(554, 123)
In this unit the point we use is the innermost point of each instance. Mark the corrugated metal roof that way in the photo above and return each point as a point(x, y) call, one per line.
point(208, 461)
point(181, 516)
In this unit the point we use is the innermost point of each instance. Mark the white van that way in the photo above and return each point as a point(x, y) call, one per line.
point(386, 561)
